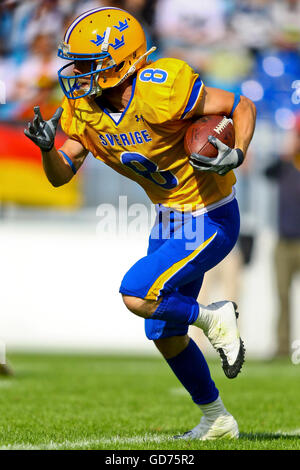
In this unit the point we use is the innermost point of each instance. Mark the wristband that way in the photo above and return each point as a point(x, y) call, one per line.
point(241, 156)
point(69, 161)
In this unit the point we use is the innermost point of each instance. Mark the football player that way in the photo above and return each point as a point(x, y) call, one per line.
point(132, 115)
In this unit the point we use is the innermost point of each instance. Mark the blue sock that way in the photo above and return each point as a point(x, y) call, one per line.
point(191, 368)
point(177, 308)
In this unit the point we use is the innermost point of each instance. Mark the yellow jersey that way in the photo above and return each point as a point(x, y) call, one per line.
point(146, 142)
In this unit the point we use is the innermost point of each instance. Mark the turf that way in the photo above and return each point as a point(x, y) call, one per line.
point(118, 402)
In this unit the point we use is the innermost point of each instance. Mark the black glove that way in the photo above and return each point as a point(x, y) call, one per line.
point(226, 160)
point(41, 132)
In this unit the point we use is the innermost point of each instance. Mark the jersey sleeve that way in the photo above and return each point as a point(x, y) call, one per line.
point(71, 121)
point(171, 89)
point(186, 93)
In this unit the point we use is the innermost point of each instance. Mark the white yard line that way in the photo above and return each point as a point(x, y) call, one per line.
point(105, 441)
point(89, 442)
point(294, 432)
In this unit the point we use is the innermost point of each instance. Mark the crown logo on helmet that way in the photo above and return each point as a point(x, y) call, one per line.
point(122, 26)
point(118, 43)
point(99, 40)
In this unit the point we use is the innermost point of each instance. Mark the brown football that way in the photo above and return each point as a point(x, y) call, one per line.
point(195, 139)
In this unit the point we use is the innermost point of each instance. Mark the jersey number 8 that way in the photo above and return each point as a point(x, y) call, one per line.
point(153, 75)
point(148, 169)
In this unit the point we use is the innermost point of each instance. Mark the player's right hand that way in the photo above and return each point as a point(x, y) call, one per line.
point(41, 132)
point(226, 160)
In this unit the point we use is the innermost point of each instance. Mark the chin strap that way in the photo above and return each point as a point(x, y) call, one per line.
point(133, 67)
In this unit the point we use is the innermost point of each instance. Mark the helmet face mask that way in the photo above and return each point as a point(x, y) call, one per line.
point(71, 84)
point(114, 44)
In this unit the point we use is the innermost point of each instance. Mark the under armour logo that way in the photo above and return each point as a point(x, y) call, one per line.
point(139, 118)
point(122, 26)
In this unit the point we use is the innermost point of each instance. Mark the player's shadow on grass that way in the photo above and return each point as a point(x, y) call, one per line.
point(261, 436)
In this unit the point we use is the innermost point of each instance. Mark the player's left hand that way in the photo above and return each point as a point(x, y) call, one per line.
point(226, 160)
point(41, 132)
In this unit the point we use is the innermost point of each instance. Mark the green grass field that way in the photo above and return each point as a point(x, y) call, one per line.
point(114, 402)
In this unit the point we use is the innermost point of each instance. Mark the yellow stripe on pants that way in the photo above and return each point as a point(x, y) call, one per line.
point(154, 291)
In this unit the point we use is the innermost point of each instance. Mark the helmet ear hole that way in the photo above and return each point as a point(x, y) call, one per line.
point(120, 66)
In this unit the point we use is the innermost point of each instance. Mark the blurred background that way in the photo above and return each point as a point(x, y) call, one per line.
point(61, 265)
